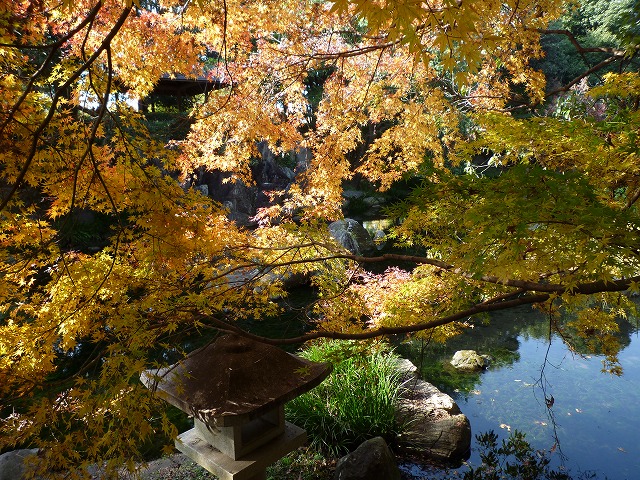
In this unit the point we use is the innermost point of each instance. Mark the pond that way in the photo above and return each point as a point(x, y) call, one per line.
point(592, 428)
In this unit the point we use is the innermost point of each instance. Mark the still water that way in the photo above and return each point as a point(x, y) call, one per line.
point(593, 426)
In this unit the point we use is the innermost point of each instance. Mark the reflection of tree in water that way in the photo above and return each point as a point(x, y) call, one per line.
point(497, 335)
point(585, 346)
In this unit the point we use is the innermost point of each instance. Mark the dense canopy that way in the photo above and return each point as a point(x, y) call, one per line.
point(523, 192)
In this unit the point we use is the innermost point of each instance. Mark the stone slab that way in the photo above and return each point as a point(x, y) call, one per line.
point(249, 467)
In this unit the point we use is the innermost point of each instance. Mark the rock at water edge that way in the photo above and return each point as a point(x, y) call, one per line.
point(352, 236)
point(372, 460)
point(470, 360)
point(434, 426)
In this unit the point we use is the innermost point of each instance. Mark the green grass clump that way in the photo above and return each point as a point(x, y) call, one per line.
point(302, 464)
point(356, 402)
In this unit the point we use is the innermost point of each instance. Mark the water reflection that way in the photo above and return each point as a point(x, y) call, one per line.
point(593, 424)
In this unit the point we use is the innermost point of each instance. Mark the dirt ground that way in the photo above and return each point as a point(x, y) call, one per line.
point(174, 467)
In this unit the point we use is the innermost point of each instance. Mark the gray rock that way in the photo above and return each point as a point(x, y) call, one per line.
point(372, 201)
point(261, 279)
point(269, 171)
point(203, 189)
point(303, 159)
point(434, 426)
point(372, 460)
point(408, 370)
point(379, 239)
point(470, 360)
point(237, 197)
point(13, 464)
point(352, 236)
point(350, 194)
point(444, 438)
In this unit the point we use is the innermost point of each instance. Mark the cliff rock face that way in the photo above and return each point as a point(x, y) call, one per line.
point(271, 181)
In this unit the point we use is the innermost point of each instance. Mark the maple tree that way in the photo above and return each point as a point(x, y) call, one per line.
point(439, 85)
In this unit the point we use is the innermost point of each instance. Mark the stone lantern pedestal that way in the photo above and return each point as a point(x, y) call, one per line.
point(236, 389)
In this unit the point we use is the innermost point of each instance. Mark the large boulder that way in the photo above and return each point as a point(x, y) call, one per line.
point(435, 427)
point(241, 199)
point(351, 235)
point(372, 460)
point(13, 465)
point(470, 360)
point(268, 173)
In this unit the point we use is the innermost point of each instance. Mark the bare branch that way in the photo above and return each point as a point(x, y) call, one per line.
point(610, 51)
point(586, 73)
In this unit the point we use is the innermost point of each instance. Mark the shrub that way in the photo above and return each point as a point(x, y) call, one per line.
point(356, 402)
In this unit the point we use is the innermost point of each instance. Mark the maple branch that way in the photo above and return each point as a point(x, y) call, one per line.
point(372, 77)
point(58, 43)
point(584, 288)
point(571, 37)
point(349, 53)
point(527, 293)
point(500, 302)
point(506, 296)
point(381, 331)
point(54, 46)
point(526, 285)
point(633, 199)
point(614, 54)
point(54, 103)
point(513, 12)
point(586, 73)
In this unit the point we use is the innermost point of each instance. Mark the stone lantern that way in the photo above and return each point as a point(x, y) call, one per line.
point(235, 389)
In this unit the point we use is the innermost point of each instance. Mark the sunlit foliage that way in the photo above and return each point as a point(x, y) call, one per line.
point(435, 85)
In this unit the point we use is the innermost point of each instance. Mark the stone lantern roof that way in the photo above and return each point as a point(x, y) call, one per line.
point(236, 379)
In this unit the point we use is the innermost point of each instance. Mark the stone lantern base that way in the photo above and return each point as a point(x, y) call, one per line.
point(251, 466)
point(244, 436)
